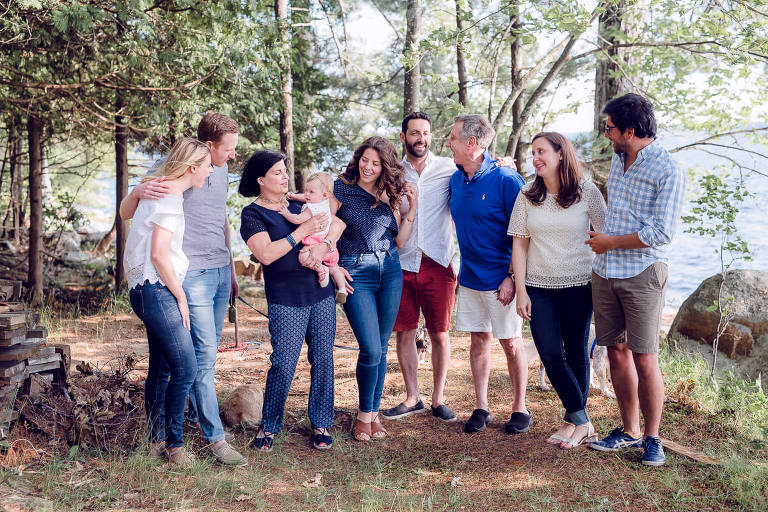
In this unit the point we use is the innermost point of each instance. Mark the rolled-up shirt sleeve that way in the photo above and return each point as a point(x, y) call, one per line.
point(660, 228)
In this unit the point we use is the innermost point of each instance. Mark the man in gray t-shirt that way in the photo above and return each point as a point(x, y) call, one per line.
point(210, 279)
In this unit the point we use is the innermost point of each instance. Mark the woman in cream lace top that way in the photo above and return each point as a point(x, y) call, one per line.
point(552, 268)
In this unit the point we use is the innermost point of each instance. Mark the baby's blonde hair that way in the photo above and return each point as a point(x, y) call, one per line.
point(186, 153)
point(325, 180)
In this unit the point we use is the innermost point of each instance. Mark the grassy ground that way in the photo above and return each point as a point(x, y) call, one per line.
point(425, 464)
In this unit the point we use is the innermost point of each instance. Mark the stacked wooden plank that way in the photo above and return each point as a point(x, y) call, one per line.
point(24, 352)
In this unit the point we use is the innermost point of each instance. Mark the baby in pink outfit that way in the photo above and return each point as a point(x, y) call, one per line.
point(319, 199)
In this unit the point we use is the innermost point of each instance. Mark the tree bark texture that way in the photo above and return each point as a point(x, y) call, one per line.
point(35, 253)
point(461, 65)
point(516, 72)
point(303, 46)
point(610, 79)
point(286, 79)
point(411, 57)
point(121, 188)
point(14, 216)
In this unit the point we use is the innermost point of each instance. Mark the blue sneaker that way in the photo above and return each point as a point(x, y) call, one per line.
point(617, 439)
point(653, 452)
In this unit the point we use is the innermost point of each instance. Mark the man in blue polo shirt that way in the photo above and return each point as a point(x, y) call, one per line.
point(482, 197)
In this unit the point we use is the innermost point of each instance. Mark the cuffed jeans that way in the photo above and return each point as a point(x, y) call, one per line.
point(208, 293)
point(560, 327)
point(371, 311)
point(171, 353)
point(288, 327)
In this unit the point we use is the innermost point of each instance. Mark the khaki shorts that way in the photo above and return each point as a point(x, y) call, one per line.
point(629, 310)
point(478, 311)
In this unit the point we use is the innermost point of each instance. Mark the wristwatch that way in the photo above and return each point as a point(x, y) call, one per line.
point(329, 242)
point(511, 276)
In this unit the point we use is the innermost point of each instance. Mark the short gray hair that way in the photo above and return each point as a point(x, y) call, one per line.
point(478, 127)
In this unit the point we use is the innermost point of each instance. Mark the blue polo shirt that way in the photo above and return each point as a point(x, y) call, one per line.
point(481, 208)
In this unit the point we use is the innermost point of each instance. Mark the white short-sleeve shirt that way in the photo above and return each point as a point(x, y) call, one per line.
point(168, 213)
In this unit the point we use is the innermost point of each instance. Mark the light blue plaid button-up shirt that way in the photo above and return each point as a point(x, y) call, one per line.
point(647, 200)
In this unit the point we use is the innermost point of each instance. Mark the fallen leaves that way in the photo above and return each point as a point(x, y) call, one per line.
point(314, 482)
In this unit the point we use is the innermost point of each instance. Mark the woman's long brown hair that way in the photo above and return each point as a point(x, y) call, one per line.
point(392, 177)
point(568, 173)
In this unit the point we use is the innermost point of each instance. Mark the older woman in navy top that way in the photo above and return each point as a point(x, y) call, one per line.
point(299, 307)
point(370, 191)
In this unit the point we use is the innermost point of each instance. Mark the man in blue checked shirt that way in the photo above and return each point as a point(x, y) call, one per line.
point(629, 278)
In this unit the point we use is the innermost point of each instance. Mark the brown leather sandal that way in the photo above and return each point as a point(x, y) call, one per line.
point(378, 428)
point(360, 429)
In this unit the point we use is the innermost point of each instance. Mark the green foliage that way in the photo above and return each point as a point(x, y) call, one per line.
point(714, 215)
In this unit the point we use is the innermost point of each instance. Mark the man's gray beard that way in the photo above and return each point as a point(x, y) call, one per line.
point(409, 148)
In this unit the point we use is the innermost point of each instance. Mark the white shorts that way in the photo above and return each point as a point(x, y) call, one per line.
point(478, 311)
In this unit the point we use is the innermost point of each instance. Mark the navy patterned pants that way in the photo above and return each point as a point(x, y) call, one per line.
point(288, 327)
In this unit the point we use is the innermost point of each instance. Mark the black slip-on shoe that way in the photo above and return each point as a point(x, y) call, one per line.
point(478, 421)
point(402, 410)
point(519, 423)
point(444, 413)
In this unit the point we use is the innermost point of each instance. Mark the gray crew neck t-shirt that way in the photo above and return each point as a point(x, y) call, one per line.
point(205, 212)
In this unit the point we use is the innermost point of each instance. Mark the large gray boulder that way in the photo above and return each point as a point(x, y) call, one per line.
point(745, 340)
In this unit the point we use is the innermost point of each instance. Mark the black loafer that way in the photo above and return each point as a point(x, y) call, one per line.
point(519, 423)
point(478, 421)
point(402, 410)
point(444, 413)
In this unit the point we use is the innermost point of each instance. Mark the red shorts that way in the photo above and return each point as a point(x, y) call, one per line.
point(433, 290)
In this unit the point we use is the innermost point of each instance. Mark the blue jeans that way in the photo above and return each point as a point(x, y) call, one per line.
point(371, 311)
point(288, 327)
point(560, 327)
point(171, 353)
point(208, 297)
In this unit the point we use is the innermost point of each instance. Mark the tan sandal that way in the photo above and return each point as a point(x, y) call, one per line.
point(582, 438)
point(361, 429)
point(378, 428)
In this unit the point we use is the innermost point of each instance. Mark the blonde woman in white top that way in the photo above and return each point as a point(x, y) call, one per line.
point(155, 266)
point(552, 268)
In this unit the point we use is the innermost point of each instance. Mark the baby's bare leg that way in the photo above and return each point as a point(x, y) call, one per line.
point(338, 277)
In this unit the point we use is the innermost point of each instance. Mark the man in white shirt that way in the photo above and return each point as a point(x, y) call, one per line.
point(429, 282)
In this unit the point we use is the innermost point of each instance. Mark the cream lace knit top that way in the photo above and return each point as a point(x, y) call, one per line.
point(557, 254)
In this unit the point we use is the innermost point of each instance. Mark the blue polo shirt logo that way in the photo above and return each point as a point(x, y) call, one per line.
point(483, 197)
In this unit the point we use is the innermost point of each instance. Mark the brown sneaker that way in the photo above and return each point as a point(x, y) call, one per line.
point(227, 455)
point(180, 457)
point(157, 450)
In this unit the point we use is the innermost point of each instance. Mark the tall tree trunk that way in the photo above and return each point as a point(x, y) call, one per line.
point(286, 78)
point(35, 253)
point(461, 65)
point(121, 187)
point(516, 72)
point(303, 47)
point(411, 57)
point(13, 218)
point(627, 17)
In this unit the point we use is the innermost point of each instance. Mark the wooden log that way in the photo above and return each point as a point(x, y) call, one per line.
point(44, 355)
point(14, 379)
point(38, 331)
point(42, 367)
point(13, 337)
point(18, 352)
point(9, 321)
point(11, 368)
point(62, 374)
point(10, 290)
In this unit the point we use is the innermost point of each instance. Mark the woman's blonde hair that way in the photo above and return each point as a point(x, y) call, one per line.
point(186, 153)
point(325, 180)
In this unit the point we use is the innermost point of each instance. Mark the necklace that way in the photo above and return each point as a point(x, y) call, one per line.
point(270, 201)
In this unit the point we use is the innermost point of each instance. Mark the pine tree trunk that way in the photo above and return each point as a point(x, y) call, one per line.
point(516, 71)
point(13, 221)
point(286, 79)
point(461, 65)
point(121, 188)
point(35, 253)
point(412, 82)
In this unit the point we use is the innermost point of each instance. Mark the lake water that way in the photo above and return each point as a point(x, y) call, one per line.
point(692, 258)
